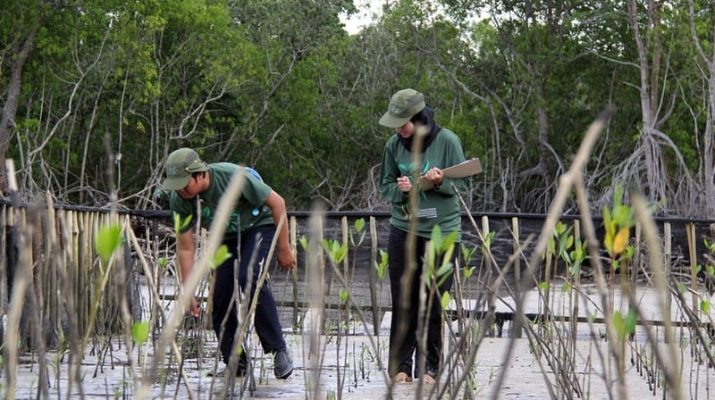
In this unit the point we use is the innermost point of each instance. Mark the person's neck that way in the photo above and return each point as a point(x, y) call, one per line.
point(207, 182)
point(204, 183)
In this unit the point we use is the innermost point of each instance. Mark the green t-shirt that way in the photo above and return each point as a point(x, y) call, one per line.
point(437, 206)
point(249, 211)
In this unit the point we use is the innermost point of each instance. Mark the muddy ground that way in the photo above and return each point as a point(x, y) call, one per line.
point(105, 372)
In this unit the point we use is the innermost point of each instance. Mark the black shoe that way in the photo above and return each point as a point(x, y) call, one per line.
point(282, 364)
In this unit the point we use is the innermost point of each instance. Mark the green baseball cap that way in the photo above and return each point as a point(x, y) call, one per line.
point(403, 105)
point(179, 166)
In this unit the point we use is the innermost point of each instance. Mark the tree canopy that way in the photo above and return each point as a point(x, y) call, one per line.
point(96, 94)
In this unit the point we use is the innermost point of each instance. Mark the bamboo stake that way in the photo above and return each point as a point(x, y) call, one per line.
point(316, 277)
point(575, 294)
point(667, 256)
point(671, 362)
point(346, 239)
point(638, 257)
point(293, 230)
point(22, 277)
point(50, 240)
point(693, 250)
point(73, 275)
point(3, 264)
point(372, 274)
point(516, 324)
point(34, 302)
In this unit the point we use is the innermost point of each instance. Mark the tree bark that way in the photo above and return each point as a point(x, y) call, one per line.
point(13, 98)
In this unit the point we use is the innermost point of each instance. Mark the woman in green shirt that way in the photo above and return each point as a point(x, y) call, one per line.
point(439, 148)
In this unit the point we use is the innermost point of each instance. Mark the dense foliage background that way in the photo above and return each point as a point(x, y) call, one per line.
point(96, 93)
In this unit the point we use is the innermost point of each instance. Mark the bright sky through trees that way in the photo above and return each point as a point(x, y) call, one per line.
point(367, 11)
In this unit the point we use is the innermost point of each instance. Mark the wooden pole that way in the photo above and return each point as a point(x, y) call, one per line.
point(293, 228)
point(693, 250)
point(517, 324)
point(668, 269)
point(372, 274)
point(3, 267)
point(346, 240)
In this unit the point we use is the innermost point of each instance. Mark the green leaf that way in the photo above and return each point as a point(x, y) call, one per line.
point(336, 251)
point(448, 242)
point(436, 237)
point(559, 228)
point(468, 272)
point(705, 306)
point(610, 228)
point(551, 246)
point(343, 295)
point(359, 224)
point(695, 269)
point(342, 252)
point(222, 254)
point(109, 240)
point(681, 287)
point(619, 324)
point(489, 239)
point(381, 267)
point(303, 242)
point(140, 332)
point(180, 224)
point(467, 253)
point(444, 301)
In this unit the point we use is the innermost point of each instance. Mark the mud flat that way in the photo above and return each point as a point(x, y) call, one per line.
point(349, 366)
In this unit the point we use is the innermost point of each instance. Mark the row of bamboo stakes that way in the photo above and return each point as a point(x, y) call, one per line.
point(52, 245)
point(61, 243)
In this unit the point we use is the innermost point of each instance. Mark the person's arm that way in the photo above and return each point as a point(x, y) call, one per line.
point(286, 258)
point(453, 155)
point(185, 254)
point(392, 185)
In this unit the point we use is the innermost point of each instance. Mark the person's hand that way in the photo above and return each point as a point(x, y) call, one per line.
point(404, 184)
point(286, 259)
point(435, 176)
point(194, 308)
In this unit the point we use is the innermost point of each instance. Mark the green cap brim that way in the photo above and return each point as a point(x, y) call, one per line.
point(176, 183)
point(391, 121)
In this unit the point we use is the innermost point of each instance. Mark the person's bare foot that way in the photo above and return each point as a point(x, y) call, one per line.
point(402, 377)
point(427, 379)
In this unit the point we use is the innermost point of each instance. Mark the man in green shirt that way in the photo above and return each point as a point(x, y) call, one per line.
point(249, 234)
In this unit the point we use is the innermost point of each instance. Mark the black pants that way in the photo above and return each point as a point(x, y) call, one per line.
point(266, 320)
point(402, 349)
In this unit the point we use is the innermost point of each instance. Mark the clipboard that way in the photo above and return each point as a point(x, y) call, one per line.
point(462, 170)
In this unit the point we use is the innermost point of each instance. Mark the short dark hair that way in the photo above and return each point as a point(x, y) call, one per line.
point(424, 117)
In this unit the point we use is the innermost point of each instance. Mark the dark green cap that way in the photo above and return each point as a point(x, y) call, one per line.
point(403, 106)
point(179, 166)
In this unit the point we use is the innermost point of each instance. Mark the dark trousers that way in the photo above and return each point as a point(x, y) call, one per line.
point(403, 341)
point(266, 320)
